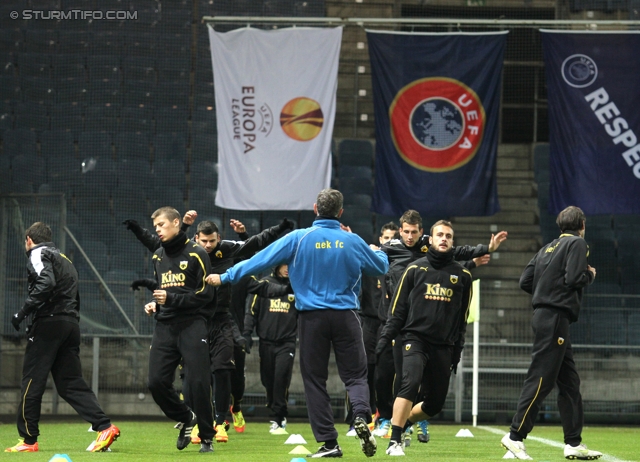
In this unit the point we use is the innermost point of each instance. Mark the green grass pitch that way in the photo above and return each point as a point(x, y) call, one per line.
point(154, 441)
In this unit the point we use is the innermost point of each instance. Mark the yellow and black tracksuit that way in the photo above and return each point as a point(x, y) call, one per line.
point(429, 310)
point(272, 312)
point(53, 342)
point(555, 277)
point(389, 362)
point(181, 267)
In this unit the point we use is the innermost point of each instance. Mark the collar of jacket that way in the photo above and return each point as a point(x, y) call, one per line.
point(176, 245)
point(42, 244)
point(327, 222)
point(570, 233)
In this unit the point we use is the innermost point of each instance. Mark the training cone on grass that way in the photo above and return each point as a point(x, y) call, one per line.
point(60, 458)
point(300, 450)
point(464, 433)
point(298, 459)
point(295, 439)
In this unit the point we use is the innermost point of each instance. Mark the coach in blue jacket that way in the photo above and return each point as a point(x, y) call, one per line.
point(326, 265)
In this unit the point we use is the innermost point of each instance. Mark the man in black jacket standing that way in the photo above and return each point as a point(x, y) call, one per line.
point(54, 343)
point(555, 277)
point(429, 308)
point(272, 311)
point(182, 306)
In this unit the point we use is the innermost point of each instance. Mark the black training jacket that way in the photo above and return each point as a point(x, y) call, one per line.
point(272, 310)
point(556, 275)
point(400, 256)
point(371, 294)
point(430, 305)
point(53, 283)
point(183, 277)
point(227, 253)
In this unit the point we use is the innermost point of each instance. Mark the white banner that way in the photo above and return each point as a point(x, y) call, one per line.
point(275, 107)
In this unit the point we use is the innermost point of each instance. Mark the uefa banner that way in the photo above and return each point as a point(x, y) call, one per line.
point(436, 100)
point(275, 95)
point(594, 122)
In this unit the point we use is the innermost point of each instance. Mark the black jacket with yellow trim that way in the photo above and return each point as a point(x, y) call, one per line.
point(400, 256)
point(430, 305)
point(272, 310)
point(557, 274)
point(183, 277)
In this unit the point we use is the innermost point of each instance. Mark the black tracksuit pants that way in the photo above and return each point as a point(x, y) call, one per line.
point(384, 383)
point(318, 331)
point(53, 345)
point(551, 364)
point(276, 368)
point(238, 379)
point(188, 340)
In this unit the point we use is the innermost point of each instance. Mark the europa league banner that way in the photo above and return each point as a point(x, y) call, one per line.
point(436, 99)
point(275, 106)
point(594, 122)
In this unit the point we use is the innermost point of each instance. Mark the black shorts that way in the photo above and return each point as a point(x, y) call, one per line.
point(426, 370)
point(221, 342)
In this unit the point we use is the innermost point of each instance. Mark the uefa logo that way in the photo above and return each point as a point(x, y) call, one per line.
point(437, 124)
point(579, 71)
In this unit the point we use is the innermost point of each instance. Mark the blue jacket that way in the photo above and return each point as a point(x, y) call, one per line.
point(325, 265)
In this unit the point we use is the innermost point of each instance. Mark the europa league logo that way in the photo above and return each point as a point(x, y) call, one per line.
point(301, 119)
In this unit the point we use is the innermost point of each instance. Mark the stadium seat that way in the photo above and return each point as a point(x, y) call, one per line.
point(170, 173)
point(10, 89)
point(356, 186)
point(34, 65)
point(7, 64)
point(132, 145)
point(102, 117)
point(175, 69)
point(94, 144)
point(11, 40)
point(98, 254)
point(167, 195)
point(204, 120)
point(72, 94)
point(19, 141)
point(137, 119)
point(608, 328)
point(355, 152)
point(32, 122)
point(351, 171)
point(57, 144)
point(171, 120)
point(69, 68)
point(139, 93)
point(6, 118)
point(362, 201)
point(204, 148)
point(134, 175)
point(41, 41)
point(74, 42)
point(140, 68)
point(28, 168)
point(279, 8)
point(39, 90)
point(172, 95)
point(67, 117)
point(169, 146)
point(104, 68)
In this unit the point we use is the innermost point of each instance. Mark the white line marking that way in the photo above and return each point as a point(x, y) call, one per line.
point(555, 444)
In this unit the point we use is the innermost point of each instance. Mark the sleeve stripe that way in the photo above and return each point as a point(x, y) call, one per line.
point(393, 308)
point(204, 272)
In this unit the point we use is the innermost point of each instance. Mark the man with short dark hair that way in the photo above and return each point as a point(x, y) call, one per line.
point(429, 308)
point(556, 277)
point(54, 343)
point(182, 307)
point(325, 269)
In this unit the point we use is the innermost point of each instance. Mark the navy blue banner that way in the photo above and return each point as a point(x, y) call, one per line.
point(594, 121)
point(436, 100)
